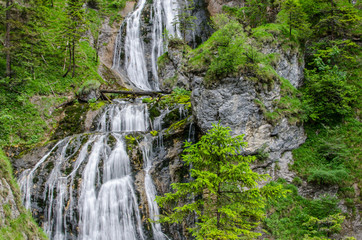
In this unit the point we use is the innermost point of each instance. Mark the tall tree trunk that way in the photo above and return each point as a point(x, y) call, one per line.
point(7, 38)
point(290, 26)
point(70, 59)
point(73, 52)
point(217, 198)
point(96, 43)
point(332, 23)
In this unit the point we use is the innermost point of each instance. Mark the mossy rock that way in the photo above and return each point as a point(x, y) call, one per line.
point(89, 91)
point(73, 122)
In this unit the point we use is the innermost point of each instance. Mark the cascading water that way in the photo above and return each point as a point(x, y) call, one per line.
point(89, 192)
point(130, 54)
point(84, 186)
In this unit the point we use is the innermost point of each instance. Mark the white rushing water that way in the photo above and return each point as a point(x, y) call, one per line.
point(150, 189)
point(130, 54)
point(98, 193)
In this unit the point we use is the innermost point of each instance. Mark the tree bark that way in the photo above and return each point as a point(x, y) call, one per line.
point(139, 93)
point(70, 59)
point(73, 52)
point(290, 25)
point(7, 38)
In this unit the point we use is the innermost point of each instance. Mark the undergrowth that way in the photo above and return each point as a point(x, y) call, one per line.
point(331, 155)
point(296, 217)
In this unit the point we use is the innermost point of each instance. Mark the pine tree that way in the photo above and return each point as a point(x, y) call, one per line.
point(184, 20)
point(296, 19)
point(223, 193)
point(74, 30)
point(7, 43)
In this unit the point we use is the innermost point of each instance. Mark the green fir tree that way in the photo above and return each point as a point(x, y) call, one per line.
point(224, 193)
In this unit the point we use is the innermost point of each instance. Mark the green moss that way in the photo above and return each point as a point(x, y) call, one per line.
point(73, 122)
point(154, 133)
point(179, 96)
point(97, 105)
point(154, 112)
point(132, 140)
point(163, 60)
point(177, 126)
point(170, 82)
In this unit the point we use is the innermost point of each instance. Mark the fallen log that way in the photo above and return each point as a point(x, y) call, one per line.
point(138, 93)
point(67, 103)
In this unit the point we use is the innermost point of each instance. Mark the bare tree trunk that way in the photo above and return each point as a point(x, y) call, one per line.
point(73, 52)
point(70, 59)
point(332, 23)
point(290, 26)
point(96, 47)
point(7, 38)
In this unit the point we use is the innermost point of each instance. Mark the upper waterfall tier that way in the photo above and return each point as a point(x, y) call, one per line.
point(133, 56)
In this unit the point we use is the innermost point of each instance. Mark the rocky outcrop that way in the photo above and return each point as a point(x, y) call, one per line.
point(215, 6)
point(290, 64)
point(233, 103)
point(170, 68)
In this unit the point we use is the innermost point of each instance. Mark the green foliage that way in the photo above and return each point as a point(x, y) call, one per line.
point(295, 217)
point(325, 176)
point(38, 59)
point(289, 105)
point(255, 12)
point(228, 42)
point(97, 105)
point(328, 97)
point(223, 192)
point(295, 17)
point(331, 155)
point(229, 52)
point(119, 4)
point(20, 121)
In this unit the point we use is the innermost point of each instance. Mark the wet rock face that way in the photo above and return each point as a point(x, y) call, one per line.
point(202, 29)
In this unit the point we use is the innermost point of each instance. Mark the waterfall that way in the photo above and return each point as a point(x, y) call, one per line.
point(130, 54)
point(84, 186)
point(89, 192)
